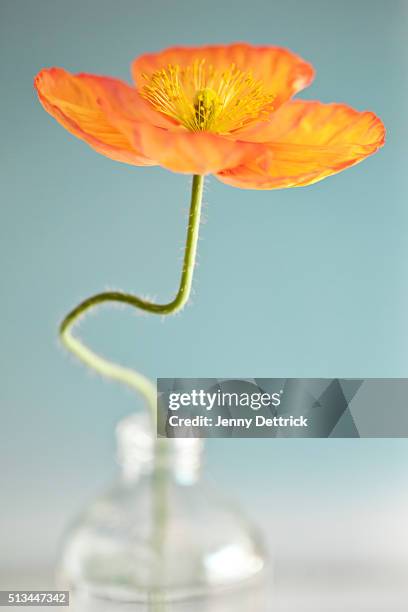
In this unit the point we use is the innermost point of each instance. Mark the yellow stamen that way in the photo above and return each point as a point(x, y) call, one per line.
point(202, 98)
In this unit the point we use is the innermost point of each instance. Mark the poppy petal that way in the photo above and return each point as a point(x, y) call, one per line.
point(74, 101)
point(305, 142)
point(191, 152)
point(283, 72)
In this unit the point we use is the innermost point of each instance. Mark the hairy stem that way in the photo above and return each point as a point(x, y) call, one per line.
point(134, 379)
point(112, 370)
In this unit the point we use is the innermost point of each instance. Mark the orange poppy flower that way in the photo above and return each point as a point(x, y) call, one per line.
point(223, 110)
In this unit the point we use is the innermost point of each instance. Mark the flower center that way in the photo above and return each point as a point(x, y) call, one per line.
point(202, 98)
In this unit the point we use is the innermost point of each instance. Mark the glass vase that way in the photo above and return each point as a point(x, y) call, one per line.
point(161, 532)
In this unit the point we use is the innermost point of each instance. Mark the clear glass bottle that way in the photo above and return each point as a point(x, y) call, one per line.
point(161, 532)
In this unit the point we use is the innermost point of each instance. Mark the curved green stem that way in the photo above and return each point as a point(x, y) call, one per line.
point(112, 370)
point(132, 378)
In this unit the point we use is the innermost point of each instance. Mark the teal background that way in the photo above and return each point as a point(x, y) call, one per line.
point(307, 282)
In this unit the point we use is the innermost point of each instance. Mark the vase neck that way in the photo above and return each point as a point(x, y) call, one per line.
point(141, 453)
